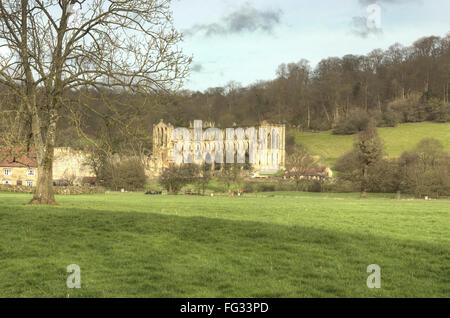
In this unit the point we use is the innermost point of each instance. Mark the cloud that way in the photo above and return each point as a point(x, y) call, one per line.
point(197, 68)
point(245, 19)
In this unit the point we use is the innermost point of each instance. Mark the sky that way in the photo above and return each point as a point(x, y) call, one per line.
point(245, 41)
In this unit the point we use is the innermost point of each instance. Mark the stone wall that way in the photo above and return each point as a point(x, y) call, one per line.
point(58, 190)
point(70, 164)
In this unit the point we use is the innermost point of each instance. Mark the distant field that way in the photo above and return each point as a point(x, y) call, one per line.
point(401, 138)
point(260, 245)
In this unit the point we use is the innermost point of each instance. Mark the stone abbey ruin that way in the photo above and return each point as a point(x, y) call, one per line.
point(270, 161)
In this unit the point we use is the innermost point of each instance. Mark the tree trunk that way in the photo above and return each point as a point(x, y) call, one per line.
point(309, 118)
point(364, 184)
point(446, 93)
point(336, 115)
point(326, 113)
point(365, 98)
point(44, 193)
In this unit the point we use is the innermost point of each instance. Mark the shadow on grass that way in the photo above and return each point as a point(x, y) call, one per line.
point(131, 254)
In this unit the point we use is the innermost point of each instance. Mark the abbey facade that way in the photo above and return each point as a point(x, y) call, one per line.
point(264, 150)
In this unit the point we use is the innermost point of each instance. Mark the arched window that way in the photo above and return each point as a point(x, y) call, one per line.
point(166, 137)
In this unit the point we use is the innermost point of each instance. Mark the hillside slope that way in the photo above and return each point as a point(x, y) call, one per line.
point(396, 139)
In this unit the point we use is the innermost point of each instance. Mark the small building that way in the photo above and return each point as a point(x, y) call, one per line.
point(18, 169)
point(319, 173)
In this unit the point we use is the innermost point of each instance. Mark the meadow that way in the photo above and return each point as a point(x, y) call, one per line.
point(283, 244)
point(398, 139)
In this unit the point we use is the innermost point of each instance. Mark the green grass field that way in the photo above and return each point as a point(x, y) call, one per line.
point(397, 140)
point(271, 245)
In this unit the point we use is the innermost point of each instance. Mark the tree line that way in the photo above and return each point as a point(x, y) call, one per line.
point(400, 84)
point(347, 94)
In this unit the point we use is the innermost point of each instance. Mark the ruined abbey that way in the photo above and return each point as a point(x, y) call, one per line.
point(70, 164)
point(164, 145)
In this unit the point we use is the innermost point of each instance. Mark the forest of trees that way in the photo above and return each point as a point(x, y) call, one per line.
point(400, 84)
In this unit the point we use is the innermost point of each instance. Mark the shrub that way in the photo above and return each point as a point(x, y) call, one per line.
point(249, 187)
point(341, 186)
point(266, 187)
point(286, 186)
point(426, 170)
point(231, 173)
point(384, 177)
point(356, 121)
point(418, 108)
point(437, 110)
point(389, 118)
point(314, 186)
point(174, 178)
point(290, 143)
point(128, 174)
point(203, 177)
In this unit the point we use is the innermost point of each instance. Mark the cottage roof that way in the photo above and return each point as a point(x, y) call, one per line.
point(16, 158)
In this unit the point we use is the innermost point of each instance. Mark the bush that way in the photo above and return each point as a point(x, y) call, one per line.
point(286, 186)
point(314, 186)
point(416, 108)
point(356, 121)
point(174, 178)
point(231, 173)
point(128, 174)
point(290, 143)
point(389, 118)
point(384, 177)
point(426, 170)
point(265, 187)
point(249, 187)
point(203, 177)
point(437, 110)
point(341, 186)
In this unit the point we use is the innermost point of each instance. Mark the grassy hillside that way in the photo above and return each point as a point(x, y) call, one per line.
point(312, 245)
point(398, 139)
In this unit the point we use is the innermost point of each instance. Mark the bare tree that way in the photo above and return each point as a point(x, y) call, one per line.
point(299, 164)
point(53, 47)
point(231, 173)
